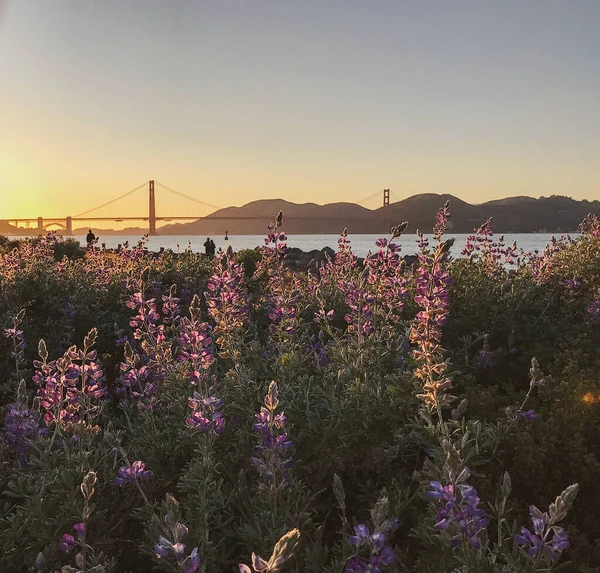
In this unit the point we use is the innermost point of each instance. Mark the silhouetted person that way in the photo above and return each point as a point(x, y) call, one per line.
point(226, 237)
point(213, 249)
point(91, 239)
point(207, 246)
point(229, 252)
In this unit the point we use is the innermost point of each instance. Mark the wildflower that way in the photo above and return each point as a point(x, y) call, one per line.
point(21, 424)
point(70, 387)
point(68, 542)
point(484, 360)
point(195, 344)
point(282, 552)
point(461, 518)
point(177, 531)
point(226, 301)
point(269, 456)
point(137, 379)
point(372, 549)
point(441, 221)
point(128, 474)
point(548, 539)
point(18, 339)
point(432, 282)
point(206, 415)
point(316, 347)
point(593, 311)
point(527, 416)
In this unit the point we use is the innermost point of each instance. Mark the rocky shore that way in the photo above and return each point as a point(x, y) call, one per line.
point(298, 260)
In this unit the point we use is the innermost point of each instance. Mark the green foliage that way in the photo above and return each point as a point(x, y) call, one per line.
point(365, 448)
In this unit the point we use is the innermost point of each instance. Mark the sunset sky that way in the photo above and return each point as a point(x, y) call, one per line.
point(307, 100)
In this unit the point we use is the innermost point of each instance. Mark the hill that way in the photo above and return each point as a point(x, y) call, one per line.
point(555, 214)
point(521, 214)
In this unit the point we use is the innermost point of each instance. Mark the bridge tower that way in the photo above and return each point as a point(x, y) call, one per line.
point(386, 197)
point(151, 210)
point(40, 225)
point(69, 226)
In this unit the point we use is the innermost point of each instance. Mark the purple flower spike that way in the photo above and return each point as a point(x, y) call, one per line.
point(371, 553)
point(137, 470)
point(460, 518)
point(548, 539)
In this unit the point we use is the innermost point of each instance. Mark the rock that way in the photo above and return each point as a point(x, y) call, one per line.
point(411, 260)
point(328, 251)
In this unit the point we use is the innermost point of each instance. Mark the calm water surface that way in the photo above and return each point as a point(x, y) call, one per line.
point(361, 244)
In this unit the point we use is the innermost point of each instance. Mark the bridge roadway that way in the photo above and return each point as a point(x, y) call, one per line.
point(66, 223)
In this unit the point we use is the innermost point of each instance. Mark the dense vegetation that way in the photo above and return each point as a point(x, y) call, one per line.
point(175, 413)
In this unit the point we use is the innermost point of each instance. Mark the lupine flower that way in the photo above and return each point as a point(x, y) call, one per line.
point(21, 425)
point(316, 347)
point(441, 221)
point(177, 531)
point(546, 538)
point(270, 454)
point(206, 415)
point(432, 282)
point(572, 285)
point(385, 278)
point(128, 474)
point(68, 542)
point(493, 254)
point(527, 416)
point(593, 310)
point(461, 518)
point(195, 343)
point(371, 550)
point(18, 338)
point(359, 301)
point(484, 359)
point(283, 550)
point(227, 304)
point(590, 226)
point(69, 388)
point(138, 380)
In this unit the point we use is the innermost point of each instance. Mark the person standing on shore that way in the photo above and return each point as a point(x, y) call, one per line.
point(91, 239)
point(213, 249)
point(207, 247)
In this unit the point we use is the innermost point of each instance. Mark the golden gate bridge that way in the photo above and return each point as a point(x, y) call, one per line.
point(191, 207)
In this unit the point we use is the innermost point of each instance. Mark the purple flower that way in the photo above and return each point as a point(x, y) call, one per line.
point(137, 470)
point(195, 344)
point(79, 530)
point(68, 542)
point(548, 539)
point(226, 300)
point(461, 518)
point(270, 455)
point(484, 360)
point(372, 550)
point(441, 221)
point(21, 425)
point(593, 311)
point(206, 415)
point(431, 285)
point(527, 416)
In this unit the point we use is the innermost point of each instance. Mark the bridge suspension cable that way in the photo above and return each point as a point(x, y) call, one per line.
point(111, 201)
point(184, 196)
point(365, 199)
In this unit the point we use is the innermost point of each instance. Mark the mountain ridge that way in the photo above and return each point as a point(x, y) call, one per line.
point(519, 214)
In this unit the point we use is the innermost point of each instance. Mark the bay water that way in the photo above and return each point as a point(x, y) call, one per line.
point(361, 244)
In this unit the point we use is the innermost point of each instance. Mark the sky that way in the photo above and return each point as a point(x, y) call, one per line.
point(310, 101)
